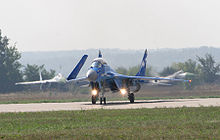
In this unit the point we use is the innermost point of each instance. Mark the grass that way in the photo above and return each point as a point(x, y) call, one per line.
point(159, 123)
point(109, 99)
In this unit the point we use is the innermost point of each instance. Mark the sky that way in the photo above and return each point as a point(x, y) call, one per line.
point(51, 25)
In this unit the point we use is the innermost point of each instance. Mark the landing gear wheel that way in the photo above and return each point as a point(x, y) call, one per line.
point(131, 97)
point(93, 99)
point(100, 100)
point(103, 99)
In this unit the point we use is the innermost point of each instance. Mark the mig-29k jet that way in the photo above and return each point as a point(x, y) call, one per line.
point(58, 78)
point(177, 75)
point(102, 78)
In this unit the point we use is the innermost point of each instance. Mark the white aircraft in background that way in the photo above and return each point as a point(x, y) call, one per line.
point(177, 75)
point(58, 78)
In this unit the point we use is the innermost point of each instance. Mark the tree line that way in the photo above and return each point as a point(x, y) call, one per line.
point(12, 71)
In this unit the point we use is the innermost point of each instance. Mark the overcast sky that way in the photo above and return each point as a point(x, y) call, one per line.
point(41, 25)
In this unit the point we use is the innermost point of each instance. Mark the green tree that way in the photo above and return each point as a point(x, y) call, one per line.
point(48, 74)
point(32, 73)
point(9, 65)
point(208, 68)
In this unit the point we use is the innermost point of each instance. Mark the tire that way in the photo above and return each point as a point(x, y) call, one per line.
point(93, 99)
point(131, 98)
point(104, 100)
point(100, 100)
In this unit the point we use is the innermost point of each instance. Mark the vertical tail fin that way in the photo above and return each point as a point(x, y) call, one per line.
point(40, 79)
point(40, 75)
point(175, 74)
point(78, 67)
point(100, 54)
point(142, 69)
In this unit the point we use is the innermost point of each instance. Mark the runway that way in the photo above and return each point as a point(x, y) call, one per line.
point(168, 103)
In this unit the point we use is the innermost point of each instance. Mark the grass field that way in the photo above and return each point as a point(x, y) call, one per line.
point(163, 123)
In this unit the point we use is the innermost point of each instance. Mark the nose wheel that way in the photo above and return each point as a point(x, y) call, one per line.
point(94, 99)
point(102, 99)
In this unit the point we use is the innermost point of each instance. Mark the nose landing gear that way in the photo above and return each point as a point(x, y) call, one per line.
point(102, 100)
point(94, 98)
point(95, 95)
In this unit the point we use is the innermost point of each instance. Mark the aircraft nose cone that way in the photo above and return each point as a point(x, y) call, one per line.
point(92, 75)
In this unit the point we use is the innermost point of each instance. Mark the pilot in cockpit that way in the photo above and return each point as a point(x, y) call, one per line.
point(96, 64)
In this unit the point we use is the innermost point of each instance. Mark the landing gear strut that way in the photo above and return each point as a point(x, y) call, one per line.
point(103, 99)
point(131, 97)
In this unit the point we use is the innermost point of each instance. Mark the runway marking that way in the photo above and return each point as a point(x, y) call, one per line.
point(168, 103)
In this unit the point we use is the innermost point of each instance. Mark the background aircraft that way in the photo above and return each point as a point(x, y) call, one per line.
point(102, 79)
point(58, 78)
point(177, 75)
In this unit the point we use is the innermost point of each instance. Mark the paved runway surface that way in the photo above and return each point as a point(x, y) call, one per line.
point(169, 103)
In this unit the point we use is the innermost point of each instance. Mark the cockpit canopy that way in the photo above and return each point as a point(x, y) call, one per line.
point(98, 62)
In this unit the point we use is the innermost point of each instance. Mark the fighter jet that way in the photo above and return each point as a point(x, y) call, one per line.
point(177, 75)
point(103, 78)
point(58, 78)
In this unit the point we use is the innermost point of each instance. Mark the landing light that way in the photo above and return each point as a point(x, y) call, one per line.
point(94, 92)
point(123, 91)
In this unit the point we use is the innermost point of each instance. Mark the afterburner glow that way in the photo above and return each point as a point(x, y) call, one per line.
point(94, 92)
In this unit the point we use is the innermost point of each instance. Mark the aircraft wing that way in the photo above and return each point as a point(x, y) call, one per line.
point(36, 82)
point(120, 76)
point(160, 84)
point(83, 81)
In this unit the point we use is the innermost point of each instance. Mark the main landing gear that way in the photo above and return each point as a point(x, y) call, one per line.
point(103, 99)
point(131, 97)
